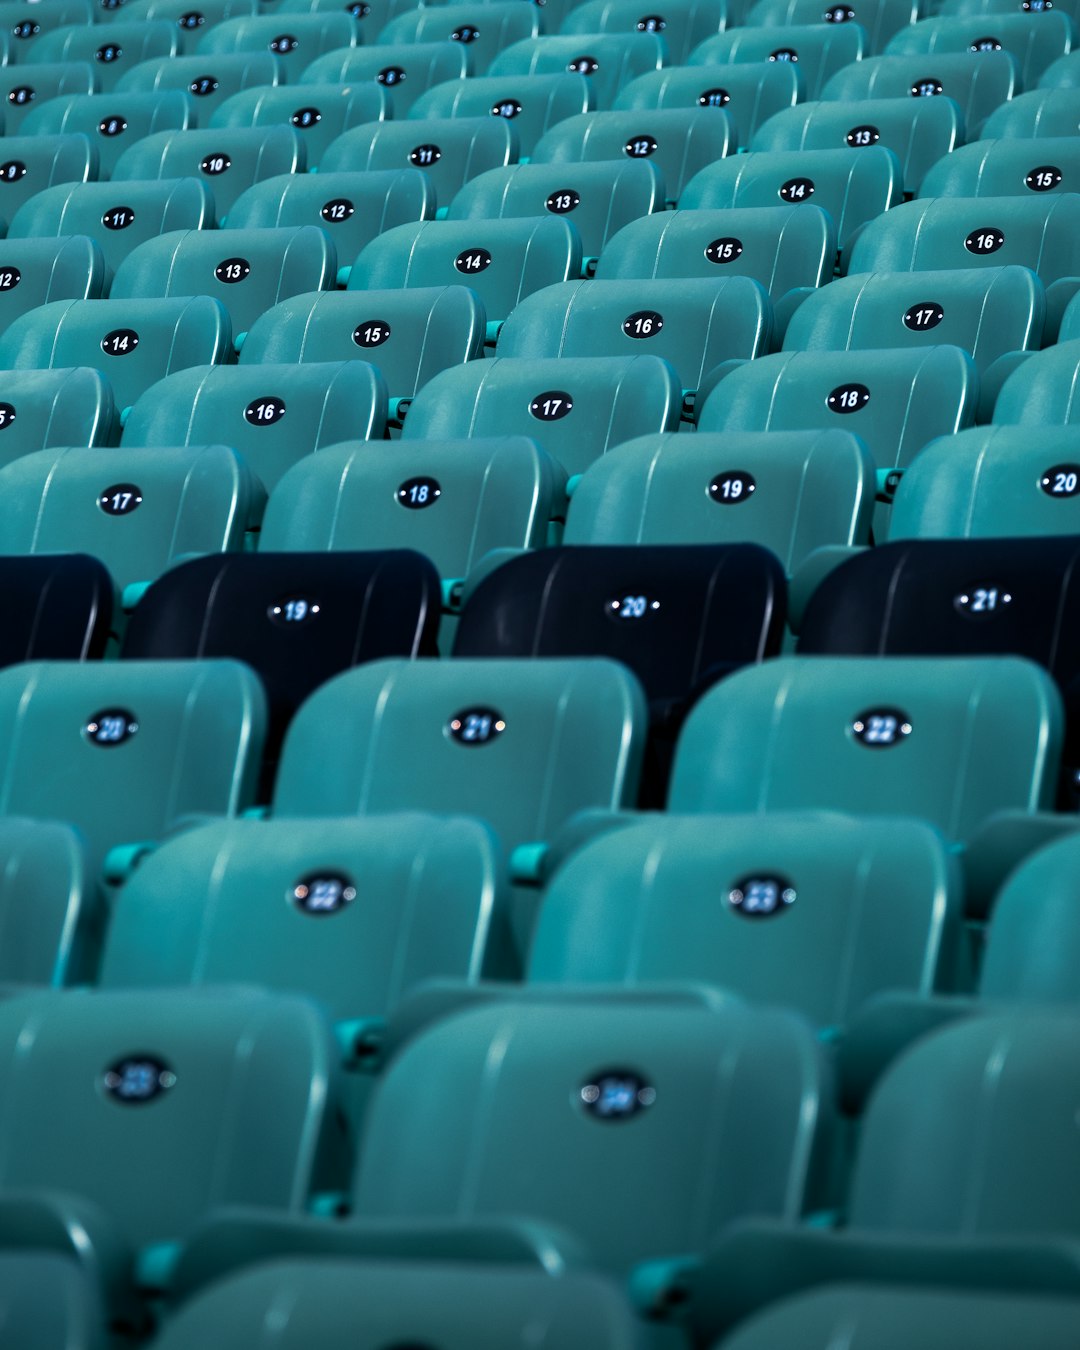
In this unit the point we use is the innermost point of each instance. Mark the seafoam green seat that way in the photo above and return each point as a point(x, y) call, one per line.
point(1036, 38)
point(681, 23)
point(1040, 112)
point(22, 90)
point(272, 414)
point(110, 49)
point(296, 39)
point(533, 103)
point(47, 15)
point(484, 30)
point(191, 23)
point(792, 492)
point(209, 80)
point(1063, 74)
point(818, 49)
point(406, 70)
point(41, 408)
point(750, 93)
point(1006, 168)
point(36, 271)
point(880, 18)
point(319, 112)
point(31, 164)
point(246, 271)
point(1042, 391)
point(111, 121)
point(950, 740)
point(608, 60)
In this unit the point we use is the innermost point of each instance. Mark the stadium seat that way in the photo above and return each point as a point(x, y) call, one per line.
point(209, 80)
point(751, 94)
point(351, 207)
point(682, 24)
point(989, 312)
point(500, 260)
point(450, 151)
point(1041, 112)
point(191, 23)
point(40, 408)
point(1008, 168)
point(319, 112)
point(133, 343)
point(404, 69)
point(533, 104)
point(226, 159)
point(785, 248)
point(110, 51)
point(693, 324)
point(991, 482)
point(117, 216)
point(792, 492)
point(296, 39)
point(33, 163)
point(816, 912)
point(211, 1065)
point(484, 30)
point(1042, 390)
point(123, 749)
point(499, 493)
point(1063, 74)
point(272, 414)
point(47, 15)
point(22, 90)
point(296, 619)
point(950, 741)
point(137, 511)
point(110, 121)
point(49, 1303)
point(1036, 39)
point(36, 271)
point(247, 271)
point(852, 189)
point(609, 60)
point(880, 18)
point(977, 86)
point(683, 141)
point(55, 608)
point(918, 133)
point(431, 905)
point(597, 199)
point(370, 15)
point(337, 1304)
point(409, 334)
point(818, 49)
point(577, 409)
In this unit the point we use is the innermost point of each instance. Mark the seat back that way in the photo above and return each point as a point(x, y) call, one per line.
point(750, 93)
point(1040, 112)
point(533, 103)
point(50, 1302)
point(50, 910)
point(880, 18)
point(209, 79)
point(319, 112)
point(819, 50)
point(483, 31)
point(295, 39)
point(683, 24)
point(23, 89)
point(110, 50)
point(1031, 946)
point(31, 164)
point(40, 408)
point(405, 69)
point(34, 272)
point(1036, 39)
point(1006, 168)
point(608, 60)
point(111, 121)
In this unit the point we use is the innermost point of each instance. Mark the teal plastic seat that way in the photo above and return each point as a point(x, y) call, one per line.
point(138, 511)
point(991, 481)
point(500, 260)
point(112, 122)
point(818, 49)
point(54, 407)
point(680, 141)
point(988, 168)
point(109, 50)
point(319, 112)
point(792, 492)
point(116, 216)
point(225, 159)
point(919, 133)
point(50, 909)
point(1042, 391)
point(1041, 112)
point(807, 911)
point(47, 15)
point(452, 500)
point(484, 30)
point(272, 414)
point(896, 399)
point(130, 746)
point(124, 1079)
point(23, 90)
point(852, 188)
point(977, 86)
point(750, 93)
point(31, 164)
point(371, 15)
point(406, 70)
point(682, 24)
point(950, 740)
point(784, 248)
point(533, 103)
point(887, 1318)
point(246, 271)
point(409, 334)
point(989, 312)
point(352, 207)
point(1036, 39)
point(597, 199)
point(608, 60)
point(880, 18)
point(296, 39)
point(431, 905)
point(1063, 74)
point(49, 1302)
point(694, 325)
point(34, 272)
point(577, 409)
point(192, 23)
point(209, 80)
point(451, 151)
point(355, 1305)
point(133, 343)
